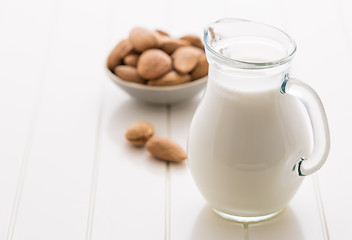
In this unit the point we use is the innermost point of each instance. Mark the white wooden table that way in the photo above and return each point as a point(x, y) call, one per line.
point(66, 171)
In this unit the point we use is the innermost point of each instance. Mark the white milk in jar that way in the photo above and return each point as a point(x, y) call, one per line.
point(246, 137)
point(242, 148)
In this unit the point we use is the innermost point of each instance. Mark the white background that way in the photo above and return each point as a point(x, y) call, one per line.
point(66, 171)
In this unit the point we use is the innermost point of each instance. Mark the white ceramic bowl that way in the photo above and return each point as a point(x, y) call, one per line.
point(160, 94)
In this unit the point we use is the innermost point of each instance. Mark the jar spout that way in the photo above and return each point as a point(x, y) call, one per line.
point(247, 45)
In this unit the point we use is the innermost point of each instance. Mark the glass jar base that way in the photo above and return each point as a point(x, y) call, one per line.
point(245, 219)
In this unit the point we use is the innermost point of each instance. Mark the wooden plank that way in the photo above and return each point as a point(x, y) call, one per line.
point(130, 198)
point(191, 16)
point(131, 184)
point(269, 12)
point(55, 196)
point(191, 217)
point(186, 200)
point(299, 220)
point(23, 51)
point(343, 8)
point(302, 214)
point(323, 61)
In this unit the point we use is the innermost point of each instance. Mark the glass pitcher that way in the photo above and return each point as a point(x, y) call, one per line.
point(257, 132)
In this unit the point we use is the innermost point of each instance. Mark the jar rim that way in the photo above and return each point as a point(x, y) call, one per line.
point(231, 62)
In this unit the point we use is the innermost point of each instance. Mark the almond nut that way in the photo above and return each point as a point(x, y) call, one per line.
point(165, 149)
point(162, 33)
point(153, 63)
point(201, 69)
point(186, 58)
point(131, 59)
point(169, 44)
point(194, 40)
point(128, 73)
point(143, 39)
point(123, 48)
point(139, 133)
point(170, 78)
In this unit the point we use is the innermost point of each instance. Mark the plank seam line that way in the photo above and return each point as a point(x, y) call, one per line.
point(343, 21)
point(95, 170)
point(167, 179)
point(318, 197)
point(167, 202)
point(97, 146)
point(245, 228)
point(31, 128)
point(3, 5)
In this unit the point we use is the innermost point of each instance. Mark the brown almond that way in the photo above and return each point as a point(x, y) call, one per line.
point(153, 63)
point(186, 58)
point(170, 78)
point(201, 69)
point(143, 39)
point(194, 40)
point(165, 149)
point(139, 133)
point(169, 45)
point(162, 33)
point(123, 48)
point(131, 59)
point(128, 73)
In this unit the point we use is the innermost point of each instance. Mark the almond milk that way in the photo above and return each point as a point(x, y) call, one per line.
point(244, 142)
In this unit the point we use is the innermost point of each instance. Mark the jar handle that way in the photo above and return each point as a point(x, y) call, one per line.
point(318, 120)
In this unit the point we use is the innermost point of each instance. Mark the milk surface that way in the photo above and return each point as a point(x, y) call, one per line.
point(244, 141)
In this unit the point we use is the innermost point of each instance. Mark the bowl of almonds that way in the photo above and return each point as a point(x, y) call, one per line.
point(154, 67)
